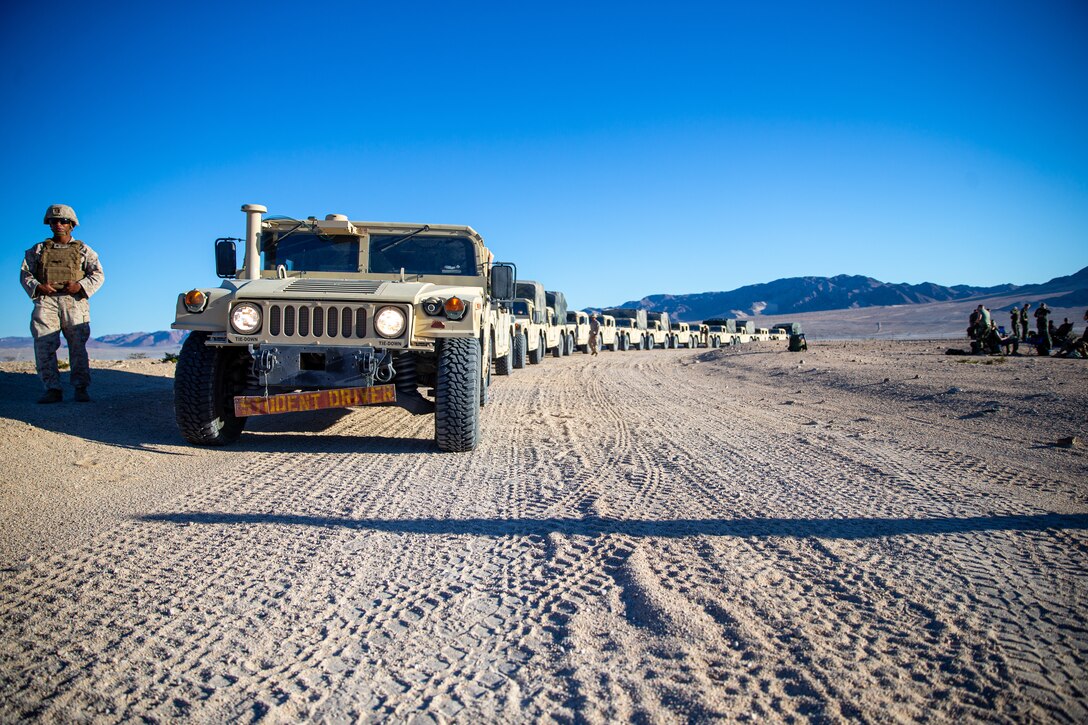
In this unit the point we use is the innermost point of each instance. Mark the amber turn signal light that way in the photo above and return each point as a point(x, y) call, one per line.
point(455, 308)
point(195, 300)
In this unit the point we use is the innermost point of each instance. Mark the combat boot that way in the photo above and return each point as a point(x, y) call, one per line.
point(52, 395)
point(81, 395)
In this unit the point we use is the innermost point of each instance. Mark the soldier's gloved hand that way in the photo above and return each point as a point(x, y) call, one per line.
point(73, 288)
point(44, 288)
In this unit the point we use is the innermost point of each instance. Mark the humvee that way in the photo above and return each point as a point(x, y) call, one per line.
point(608, 339)
point(684, 336)
point(339, 313)
point(630, 327)
point(659, 330)
point(578, 321)
point(564, 333)
point(720, 331)
point(530, 319)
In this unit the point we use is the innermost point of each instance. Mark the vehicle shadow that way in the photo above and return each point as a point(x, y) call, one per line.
point(136, 410)
point(842, 528)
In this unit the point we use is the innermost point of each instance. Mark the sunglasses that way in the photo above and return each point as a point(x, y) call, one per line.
point(60, 221)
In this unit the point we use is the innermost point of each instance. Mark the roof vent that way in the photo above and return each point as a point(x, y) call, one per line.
point(335, 218)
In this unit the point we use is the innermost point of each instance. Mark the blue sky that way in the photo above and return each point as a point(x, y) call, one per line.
point(611, 150)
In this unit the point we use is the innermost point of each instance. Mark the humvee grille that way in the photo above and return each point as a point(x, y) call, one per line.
point(340, 286)
point(312, 321)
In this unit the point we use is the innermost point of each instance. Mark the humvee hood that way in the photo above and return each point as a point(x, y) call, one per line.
point(315, 288)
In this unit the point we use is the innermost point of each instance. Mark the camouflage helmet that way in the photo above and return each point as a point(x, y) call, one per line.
point(61, 211)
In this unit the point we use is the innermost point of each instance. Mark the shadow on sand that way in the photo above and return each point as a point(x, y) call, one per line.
point(845, 528)
point(135, 410)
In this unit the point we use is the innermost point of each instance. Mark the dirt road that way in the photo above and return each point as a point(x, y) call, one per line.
point(876, 532)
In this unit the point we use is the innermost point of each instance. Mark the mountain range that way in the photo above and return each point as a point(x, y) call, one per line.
point(795, 295)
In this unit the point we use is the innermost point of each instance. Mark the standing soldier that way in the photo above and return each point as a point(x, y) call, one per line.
point(60, 274)
point(1015, 315)
point(1042, 324)
point(594, 333)
point(1024, 320)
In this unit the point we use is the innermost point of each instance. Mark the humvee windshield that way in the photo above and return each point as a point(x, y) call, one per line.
point(520, 308)
point(421, 254)
point(305, 251)
point(625, 322)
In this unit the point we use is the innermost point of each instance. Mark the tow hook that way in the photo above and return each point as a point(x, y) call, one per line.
point(385, 371)
point(264, 361)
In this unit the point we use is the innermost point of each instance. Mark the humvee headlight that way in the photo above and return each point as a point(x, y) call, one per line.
point(245, 318)
point(390, 322)
point(432, 306)
point(455, 308)
point(195, 300)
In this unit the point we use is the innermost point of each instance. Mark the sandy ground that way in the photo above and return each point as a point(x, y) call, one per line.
point(872, 531)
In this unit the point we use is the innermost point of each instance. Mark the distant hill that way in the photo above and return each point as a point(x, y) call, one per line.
point(135, 341)
point(818, 294)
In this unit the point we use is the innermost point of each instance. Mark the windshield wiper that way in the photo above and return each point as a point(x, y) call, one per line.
point(406, 237)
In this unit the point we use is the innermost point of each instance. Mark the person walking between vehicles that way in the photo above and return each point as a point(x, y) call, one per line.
point(1015, 319)
point(60, 274)
point(594, 334)
point(1042, 323)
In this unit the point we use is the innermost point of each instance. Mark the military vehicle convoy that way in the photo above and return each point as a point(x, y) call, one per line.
point(334, 312)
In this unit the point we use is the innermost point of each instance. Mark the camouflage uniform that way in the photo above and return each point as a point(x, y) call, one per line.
point(61, 313)
point(1042, 322)
point(594, 334)
point(1015, 315)
point(1024, 320)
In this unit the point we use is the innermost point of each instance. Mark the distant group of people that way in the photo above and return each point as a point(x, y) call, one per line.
point(987, 337)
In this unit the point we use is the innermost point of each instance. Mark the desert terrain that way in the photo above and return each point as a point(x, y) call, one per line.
point(868, 531)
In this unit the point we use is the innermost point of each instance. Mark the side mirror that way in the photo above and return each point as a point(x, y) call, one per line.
point(226, 258)
point(503, 278)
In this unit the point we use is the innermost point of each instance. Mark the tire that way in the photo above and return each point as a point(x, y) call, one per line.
point(205, 383)
point(485, 381)
point(457, 395)
point(520, 344)
point(557, 351)
point(505, 364)
point(715, 342)
point(622, 342)
point(537, 356)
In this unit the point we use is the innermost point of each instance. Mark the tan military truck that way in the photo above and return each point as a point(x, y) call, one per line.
point(578, 324)
point(338, 313)
point(683, 336)
point(699, 335)
point(530, 320)
point(609, 337)
point(719, 332)
point(659, 329)
point(630, 327)
point(563, 335)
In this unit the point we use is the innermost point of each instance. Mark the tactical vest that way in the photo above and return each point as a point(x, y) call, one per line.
point(60, 263)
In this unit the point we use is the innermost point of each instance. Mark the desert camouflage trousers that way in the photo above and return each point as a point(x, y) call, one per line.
point(55, 316)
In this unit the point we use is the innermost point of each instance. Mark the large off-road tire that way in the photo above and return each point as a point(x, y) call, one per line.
point(205, 383)
point(457, 395)
point(520, 345)
point(625, 343)
point(557, 351)
point(485, 382)
point(715, 342)
point(537, 356)
point(505, 365)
